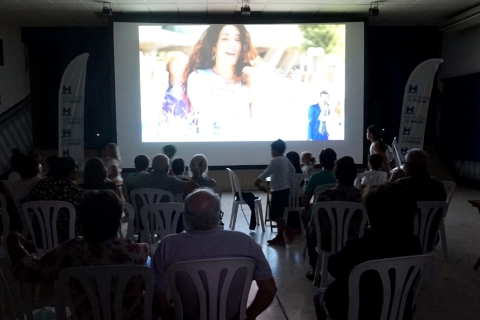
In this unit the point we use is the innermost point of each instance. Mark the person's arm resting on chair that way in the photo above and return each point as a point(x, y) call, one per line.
point(264, 297)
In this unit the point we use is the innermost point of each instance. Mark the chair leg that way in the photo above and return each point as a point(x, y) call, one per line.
point(259, 210)
point(323, 281)
point(231, 216)
point(234, 215)
point(305, 249)
point(443, 237)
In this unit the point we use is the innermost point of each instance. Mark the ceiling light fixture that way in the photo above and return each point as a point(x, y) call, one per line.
point(373, 11)
point(107, 9)
point(245, 9)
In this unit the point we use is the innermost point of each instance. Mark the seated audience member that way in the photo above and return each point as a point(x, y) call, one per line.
point(50, 162)
point(15, 163)
point(142, 162)
point(295, 160)
point(375, 163)
point(59, 186)
point(158, 178)
point(415, 177)
point(325, 176)
point(169, 150)
point(345, 172)
point(199, 167)
point(178, 168)
point(279, 170)
point(100, 214)
point(308, 162)
point(29, 175)
point(205, 239)
point(95, 176)
point(390, 235)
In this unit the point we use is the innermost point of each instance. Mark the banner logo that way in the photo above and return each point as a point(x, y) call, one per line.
point(406, 131)
point(410, 110)
point(66, 133)
point(412, 89)
point(67, 90)
point(404, 151)
point(66, 153)
point(66, 111)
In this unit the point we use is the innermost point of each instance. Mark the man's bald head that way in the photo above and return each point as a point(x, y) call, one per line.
point(160, 163)
point(202, 210)
point(416, 161)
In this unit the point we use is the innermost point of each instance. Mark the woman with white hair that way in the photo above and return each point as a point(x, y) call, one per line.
point(199, 167)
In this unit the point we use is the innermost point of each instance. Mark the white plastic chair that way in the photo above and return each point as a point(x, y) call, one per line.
point(372, 177)
point(148, 196)
point(97, 283)
point(296, 191)
point(130, 214)
point(235, 183)
point(3, 202)
point(427, 212)
point(450, 187)
point(48, 222)
point(322, 187)
point(4, 233)
point(408, 272)
point(212, 299)
point(339, 213)
point(159, 219)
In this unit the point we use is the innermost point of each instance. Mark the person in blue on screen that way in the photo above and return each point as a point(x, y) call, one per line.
point(217, 79)
point(317, 117)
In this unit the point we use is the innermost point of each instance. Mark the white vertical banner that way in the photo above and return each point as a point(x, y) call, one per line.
point(415, 106)
point(71, 102)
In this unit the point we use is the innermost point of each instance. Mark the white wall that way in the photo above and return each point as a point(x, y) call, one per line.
point(461, 53)
point(14, 81)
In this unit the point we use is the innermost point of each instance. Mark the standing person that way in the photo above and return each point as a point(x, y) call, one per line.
point(170, 150)
point(308, 162)
point(218, 79)
point(378, 146)
point(113, 162)
point(317, 116)
point(295, 160)
point(279, 170)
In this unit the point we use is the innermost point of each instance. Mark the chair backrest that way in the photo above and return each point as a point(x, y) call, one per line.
point(296, 190)
point(372, 177)
point(161, 219)
point(396, 153)
point(322, 187)
point(339, 214)
point(46, 213)
point(428, 218)
point(5, 218)
point(3, 202)
point(212, 298)
point(130, 214)
point(148, 196)
point(399, 277)
point(235, 184)
point(103, 297)
point(450, 187)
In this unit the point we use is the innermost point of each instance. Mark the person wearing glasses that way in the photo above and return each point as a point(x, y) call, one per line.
point(415, 176)
point(59, 186)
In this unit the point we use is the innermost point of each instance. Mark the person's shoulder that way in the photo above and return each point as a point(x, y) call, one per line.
point(133, 246)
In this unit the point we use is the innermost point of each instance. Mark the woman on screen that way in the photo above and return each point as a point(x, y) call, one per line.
point(217, 79)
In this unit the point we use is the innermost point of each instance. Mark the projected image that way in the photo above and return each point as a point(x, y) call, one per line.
point(242, 82)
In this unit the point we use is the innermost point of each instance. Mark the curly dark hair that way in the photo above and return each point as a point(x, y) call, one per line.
point(201, 56)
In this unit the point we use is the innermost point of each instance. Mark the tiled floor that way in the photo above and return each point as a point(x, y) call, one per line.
point(457, 288)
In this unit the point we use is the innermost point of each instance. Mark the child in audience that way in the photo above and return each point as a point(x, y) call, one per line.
point(113, 162)
point(279, 170)
point(295, 160)
point(375, 163)
point(308, 162)
point(178, 168)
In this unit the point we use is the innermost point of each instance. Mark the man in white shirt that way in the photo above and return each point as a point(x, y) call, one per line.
point(279, 170)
